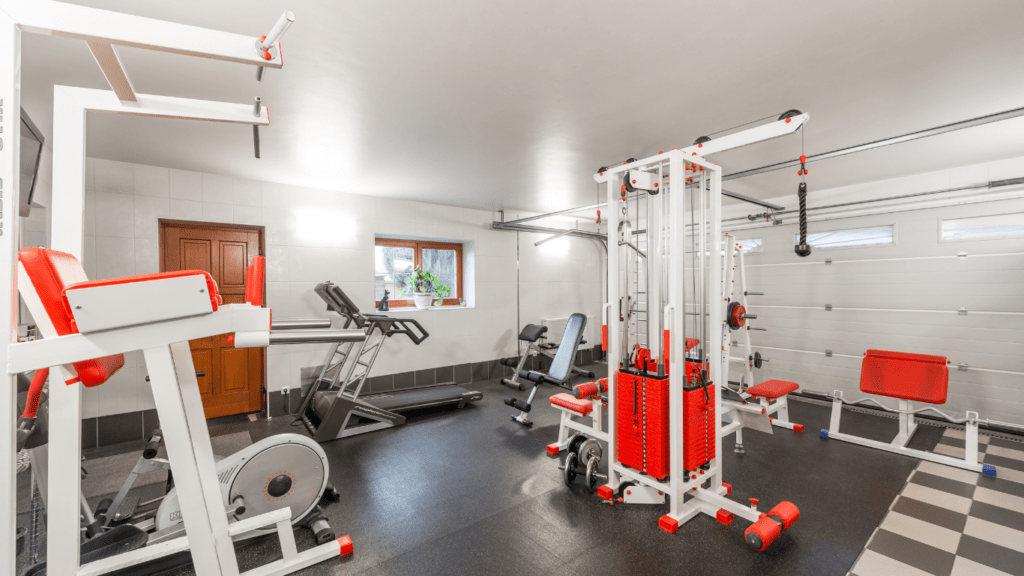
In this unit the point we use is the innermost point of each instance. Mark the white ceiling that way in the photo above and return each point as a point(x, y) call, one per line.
point(515, 103)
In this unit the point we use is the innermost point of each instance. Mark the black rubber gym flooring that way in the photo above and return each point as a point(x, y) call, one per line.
point(471, 492)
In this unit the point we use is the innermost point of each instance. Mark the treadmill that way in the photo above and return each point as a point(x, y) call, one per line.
point(334, 408)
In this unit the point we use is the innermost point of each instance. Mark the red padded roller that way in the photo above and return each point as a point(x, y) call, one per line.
point(762, 533)
point(785, 512)
point(590, 389)
point(916, 377)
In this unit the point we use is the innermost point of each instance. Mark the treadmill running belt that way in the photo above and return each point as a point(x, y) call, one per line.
point(425, 398)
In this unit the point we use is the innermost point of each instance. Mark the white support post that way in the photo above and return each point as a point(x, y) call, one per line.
point(717, 318)
point(176, 393)
point(971, 439)
point(677, 302)
point(614, 326)
point(748, 350)
point(65, 471)
point(10, 139)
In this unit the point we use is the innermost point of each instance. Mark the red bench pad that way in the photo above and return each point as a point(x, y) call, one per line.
point(564, 400)
point(50, 272)
point(916, 377)
point(772, 389)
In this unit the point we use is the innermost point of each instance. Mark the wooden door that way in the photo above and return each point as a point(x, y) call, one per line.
point(234, 378)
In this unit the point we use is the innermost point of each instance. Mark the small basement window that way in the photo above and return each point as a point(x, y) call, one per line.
point(853, 237)
point(982, 228)
point(752, 245)
point(395, 261)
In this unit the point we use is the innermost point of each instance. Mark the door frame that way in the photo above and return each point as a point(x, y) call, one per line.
point(163, 223)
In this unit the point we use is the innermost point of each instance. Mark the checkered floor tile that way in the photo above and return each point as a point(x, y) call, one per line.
point(953, 522)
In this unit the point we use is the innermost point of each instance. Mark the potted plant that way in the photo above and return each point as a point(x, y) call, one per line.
point(441, 292)
point(423, 284)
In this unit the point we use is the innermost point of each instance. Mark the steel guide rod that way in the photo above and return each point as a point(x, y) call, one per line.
point(979, 121)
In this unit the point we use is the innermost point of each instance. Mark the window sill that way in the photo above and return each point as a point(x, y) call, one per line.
point(415, 309)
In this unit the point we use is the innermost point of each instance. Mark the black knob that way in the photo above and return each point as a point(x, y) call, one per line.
point(279, 486)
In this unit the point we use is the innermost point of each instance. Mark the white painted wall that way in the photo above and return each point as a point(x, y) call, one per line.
point(125, 201)
point(905, 281)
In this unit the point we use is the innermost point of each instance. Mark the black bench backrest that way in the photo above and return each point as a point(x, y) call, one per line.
point(561, 366)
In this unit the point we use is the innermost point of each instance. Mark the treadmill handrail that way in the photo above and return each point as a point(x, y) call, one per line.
point(403, 328)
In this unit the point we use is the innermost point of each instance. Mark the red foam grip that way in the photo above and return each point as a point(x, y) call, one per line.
point(787, 512)
point(586, 390)
point(762, 533)
point(604, 337)
point(345, 545)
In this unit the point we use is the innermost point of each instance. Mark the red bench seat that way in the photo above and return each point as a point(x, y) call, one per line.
point(917, 377)
point(772, 389)
point(569, 402)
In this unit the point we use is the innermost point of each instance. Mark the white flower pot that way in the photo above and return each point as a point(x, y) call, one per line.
point(423, 300)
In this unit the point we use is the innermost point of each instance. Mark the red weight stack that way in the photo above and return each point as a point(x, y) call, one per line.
point(641, 421)
point(698, 427)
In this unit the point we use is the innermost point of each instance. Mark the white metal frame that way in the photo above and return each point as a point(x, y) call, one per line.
point(733, 292)
point(908, 426)
point(175, 387)
point(707, 490)
point(572, 421)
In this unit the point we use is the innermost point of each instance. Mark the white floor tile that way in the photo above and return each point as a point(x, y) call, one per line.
point(930, 534)
point(1009, 474)
point(1006, 452)
point(995, 533)
point(958, 474)
point(938, 498)
point(1015, 503)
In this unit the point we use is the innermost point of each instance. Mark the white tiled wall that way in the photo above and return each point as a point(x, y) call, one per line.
point(316, 235)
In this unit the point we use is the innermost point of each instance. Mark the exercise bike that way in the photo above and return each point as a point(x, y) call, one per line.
point(285, 470)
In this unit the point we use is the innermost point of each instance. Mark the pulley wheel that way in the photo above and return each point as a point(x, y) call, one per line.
point(569, 472)
point(591, 477)
point(590, 449)
point(736, 316)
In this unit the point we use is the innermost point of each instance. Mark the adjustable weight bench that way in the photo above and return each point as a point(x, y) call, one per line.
point(909, 378)
point(532, 334)
point(561, 368)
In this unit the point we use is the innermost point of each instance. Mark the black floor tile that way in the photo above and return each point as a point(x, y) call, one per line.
point(1002, 462)
point(998, 515)
point(912, 552)
point(943, 484)
point(931, 513)
point(992, 555)
point(1002, 485)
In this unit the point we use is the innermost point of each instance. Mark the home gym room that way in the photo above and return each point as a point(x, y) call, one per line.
point(512, 288)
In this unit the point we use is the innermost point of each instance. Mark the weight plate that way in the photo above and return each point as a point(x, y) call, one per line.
point(757, 359)
point(590, 449)
point(575, 441)
point(569, 472)
point(736, 315)
point(592, 474)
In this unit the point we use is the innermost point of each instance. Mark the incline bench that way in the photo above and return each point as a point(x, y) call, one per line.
point(909, 378)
